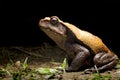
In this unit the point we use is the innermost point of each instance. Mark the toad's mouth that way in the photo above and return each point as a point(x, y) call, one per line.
point(49, 31)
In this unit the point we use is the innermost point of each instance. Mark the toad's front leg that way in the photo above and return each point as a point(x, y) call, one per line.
point(81, 56)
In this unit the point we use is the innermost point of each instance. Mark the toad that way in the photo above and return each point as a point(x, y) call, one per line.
point(83, 49)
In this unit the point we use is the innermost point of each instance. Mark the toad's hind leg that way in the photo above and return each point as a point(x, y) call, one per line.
point(104, 61)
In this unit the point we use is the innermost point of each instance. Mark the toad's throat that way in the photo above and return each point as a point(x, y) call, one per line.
point(58, 38)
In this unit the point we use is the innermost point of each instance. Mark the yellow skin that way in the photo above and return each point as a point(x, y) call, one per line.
point(83, 48)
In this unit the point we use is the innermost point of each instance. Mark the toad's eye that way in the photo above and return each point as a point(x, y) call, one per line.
point(53, 20)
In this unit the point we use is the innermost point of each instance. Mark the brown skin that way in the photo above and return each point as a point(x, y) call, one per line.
point(83, 48)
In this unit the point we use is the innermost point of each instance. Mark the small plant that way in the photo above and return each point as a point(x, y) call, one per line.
point(16, 76)
point(25, 64)
point(46, 71)
point(98, 76)
point(64, 63)
point(50, 72)
point(53, 70)
point(5, 70)
point(97, 71)
point(105, 77)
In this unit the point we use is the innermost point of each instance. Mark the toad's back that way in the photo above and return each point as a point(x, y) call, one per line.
point(92, 41)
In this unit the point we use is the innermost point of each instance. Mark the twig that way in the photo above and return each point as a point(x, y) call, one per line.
point(30, 53)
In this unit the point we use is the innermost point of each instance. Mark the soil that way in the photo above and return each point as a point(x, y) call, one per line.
point(46, 56)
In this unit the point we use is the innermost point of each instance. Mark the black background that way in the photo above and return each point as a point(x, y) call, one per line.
point(19, 21)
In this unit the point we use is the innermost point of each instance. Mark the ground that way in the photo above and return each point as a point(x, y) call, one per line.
point(13, 66)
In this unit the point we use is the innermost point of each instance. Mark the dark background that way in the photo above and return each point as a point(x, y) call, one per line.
point(19, 21)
